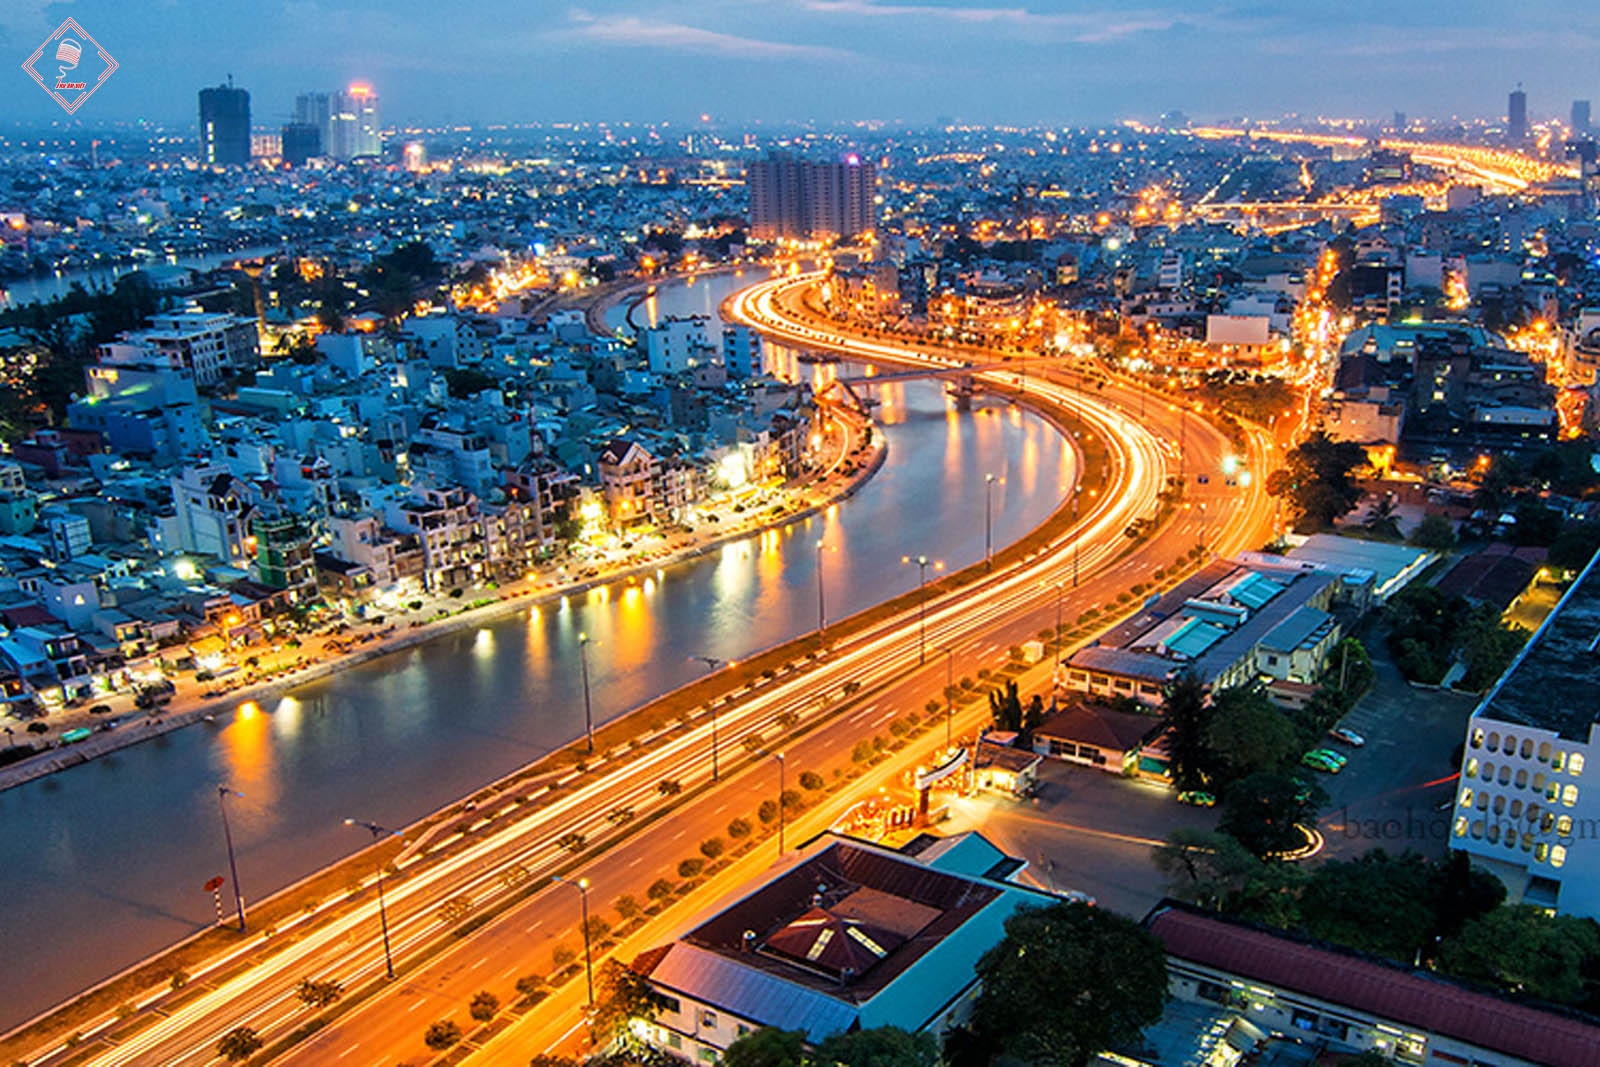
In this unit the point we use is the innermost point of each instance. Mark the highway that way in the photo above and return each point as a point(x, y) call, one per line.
point(254, 986)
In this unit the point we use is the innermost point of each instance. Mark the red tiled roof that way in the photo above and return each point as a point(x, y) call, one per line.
point(1387, 992)
point(1085, 724)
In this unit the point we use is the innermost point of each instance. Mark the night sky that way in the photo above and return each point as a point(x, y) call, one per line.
point(783, 61)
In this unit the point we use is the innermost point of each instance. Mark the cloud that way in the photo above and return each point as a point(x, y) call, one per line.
point(1099, 27)
point(638, 32)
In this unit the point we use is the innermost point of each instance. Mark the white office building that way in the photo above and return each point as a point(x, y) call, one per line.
point(1527, 809)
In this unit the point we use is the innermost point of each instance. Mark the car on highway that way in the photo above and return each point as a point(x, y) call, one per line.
point(1349, 737)
point(1197, 798)
point(1319, 761)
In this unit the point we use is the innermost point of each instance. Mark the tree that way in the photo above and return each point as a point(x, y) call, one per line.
point(627, 906)
point(1188, 718)
point(1461, 893)
point(1523, 949)
point(882, 1046)
point(738, 828)
point(1248, 735)
point(1381, 521)
point(1315, 481)
point(1376, 902)
point(239, 1044)
point(1066, 981)
point(621, 995)
point(484, 1005)
point(1032, 716)
point(441, 1035)
point(1214, 871)
point(318, 994)
point(1005, 708)
point(767, 1047)
point(1435, 532)
point(1263, 812)
point(1575, 547)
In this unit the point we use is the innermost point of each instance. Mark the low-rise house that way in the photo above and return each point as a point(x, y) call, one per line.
point(1096, 736)
point(852, 935)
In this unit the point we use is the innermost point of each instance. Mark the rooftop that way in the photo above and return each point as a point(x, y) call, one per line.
point(1379, 988)
point(818, 946)
point(1561, 658)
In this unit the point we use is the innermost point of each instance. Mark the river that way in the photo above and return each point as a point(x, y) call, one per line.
point(49, 286)
point(104, 863)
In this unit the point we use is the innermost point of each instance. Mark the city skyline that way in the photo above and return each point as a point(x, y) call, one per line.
point(833, 60)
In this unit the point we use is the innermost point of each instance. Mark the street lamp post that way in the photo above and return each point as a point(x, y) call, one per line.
point(782, 766)
point(223, 793)
point(922, 563)
point(988, 521)
point(582, 886)
point(383, 915)
point(588, 714)
point(712, 664)
point(949, 689)
point(1060, 589)
point(822, 617)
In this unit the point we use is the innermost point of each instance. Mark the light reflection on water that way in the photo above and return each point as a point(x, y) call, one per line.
point(104, 863)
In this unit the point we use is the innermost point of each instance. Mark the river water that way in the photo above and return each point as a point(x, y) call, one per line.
point(103, 864)
point(49, 286)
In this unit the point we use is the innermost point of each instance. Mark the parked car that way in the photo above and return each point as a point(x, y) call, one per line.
point(1197, 798)
point(1349, 737)
point(1333, 754)
point(1318, 761)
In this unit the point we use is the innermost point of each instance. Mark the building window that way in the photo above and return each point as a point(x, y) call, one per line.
point(1558, 855)
point(1544, 752)
point(708, 1019)
point(1494, 742)
point(674, 1039)
point(1477, 737)
point(1461, 826)
point(1563, 826)
point(1541, 852)
point(1575, 764)
point(1494, 833)
point(1527, 748)
point(1538, 782)
point(1500, 805)
point(1466, 797)
point(1505, 774)
point(1522, 778)
point(1569, 795)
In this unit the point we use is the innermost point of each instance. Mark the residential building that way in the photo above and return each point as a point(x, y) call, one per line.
point(284, 558)
point(677, 344)
point(448, 524)
point(849, 936)
point(1517, 116)
point(211, 511)
point(630, 480)
point(301, 141)
point(791, 197)
point(1096, 736)
point(224, 126)
point(1525, 810)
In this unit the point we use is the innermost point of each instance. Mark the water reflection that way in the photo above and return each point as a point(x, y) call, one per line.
point(96, 864)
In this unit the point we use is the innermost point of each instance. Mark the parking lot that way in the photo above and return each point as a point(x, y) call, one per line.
point(1389, 794)
point(1085, 830)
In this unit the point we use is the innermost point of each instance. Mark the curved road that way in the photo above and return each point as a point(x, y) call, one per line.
point(252, 985)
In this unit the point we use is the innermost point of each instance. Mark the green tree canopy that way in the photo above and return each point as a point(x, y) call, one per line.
point(1213, 870)
point(882, 1046)
point(1188, 715)
point(1376, 902)
point(767, 1047)
point(1435, 532)
point(1248, 735)
point(1263, 811)
point(1523, 949)
point(1066, 981)
point(621, 995)
point(1315, 481)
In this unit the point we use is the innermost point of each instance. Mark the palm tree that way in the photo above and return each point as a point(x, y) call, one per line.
point(1381, 520)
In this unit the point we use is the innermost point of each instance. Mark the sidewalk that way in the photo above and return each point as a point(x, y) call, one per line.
point(281, 666)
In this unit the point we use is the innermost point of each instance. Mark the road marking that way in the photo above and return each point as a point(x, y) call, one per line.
point(636, 863)
point(415, 1006)
point(349, 1050)
point(722, 807)
point(864, 712)
point(885, 717)
point(535, 926)
point(480, 963)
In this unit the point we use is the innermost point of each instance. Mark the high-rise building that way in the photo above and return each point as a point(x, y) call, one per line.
point(224, 125)
point(1580, 118)
point(301, 141)
point(346, 121)
point(1517, 116)
point(792, 197)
